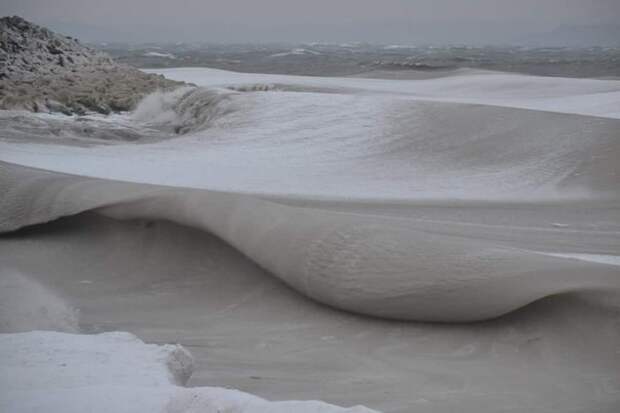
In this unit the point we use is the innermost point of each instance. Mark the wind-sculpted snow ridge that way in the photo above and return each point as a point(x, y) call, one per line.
point(116, 372)
point(366, 263)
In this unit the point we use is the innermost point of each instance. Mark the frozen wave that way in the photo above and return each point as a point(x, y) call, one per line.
point(367, 263)
point(187, 109)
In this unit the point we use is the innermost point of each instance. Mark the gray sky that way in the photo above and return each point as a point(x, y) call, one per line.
point(378, 21)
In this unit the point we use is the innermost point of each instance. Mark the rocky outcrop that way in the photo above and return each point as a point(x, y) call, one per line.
point(43, 71)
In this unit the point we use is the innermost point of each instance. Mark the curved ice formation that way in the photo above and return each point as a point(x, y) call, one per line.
point(365, 263)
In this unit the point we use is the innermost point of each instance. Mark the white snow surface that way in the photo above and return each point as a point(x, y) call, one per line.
point(43, 371)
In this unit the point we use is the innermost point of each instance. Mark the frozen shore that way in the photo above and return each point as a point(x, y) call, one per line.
point(486, 199)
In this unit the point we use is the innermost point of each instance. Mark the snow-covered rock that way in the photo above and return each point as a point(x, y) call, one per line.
point(43, 71)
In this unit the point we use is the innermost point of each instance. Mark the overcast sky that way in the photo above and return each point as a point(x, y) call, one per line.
point(378, 21)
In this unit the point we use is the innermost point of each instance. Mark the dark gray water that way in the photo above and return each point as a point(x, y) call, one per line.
point(355, 59)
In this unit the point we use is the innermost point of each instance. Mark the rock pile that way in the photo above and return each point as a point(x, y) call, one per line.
point(43, 71)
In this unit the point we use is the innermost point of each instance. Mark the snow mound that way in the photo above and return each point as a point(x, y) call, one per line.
point(116, 372)
point(212, 399)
